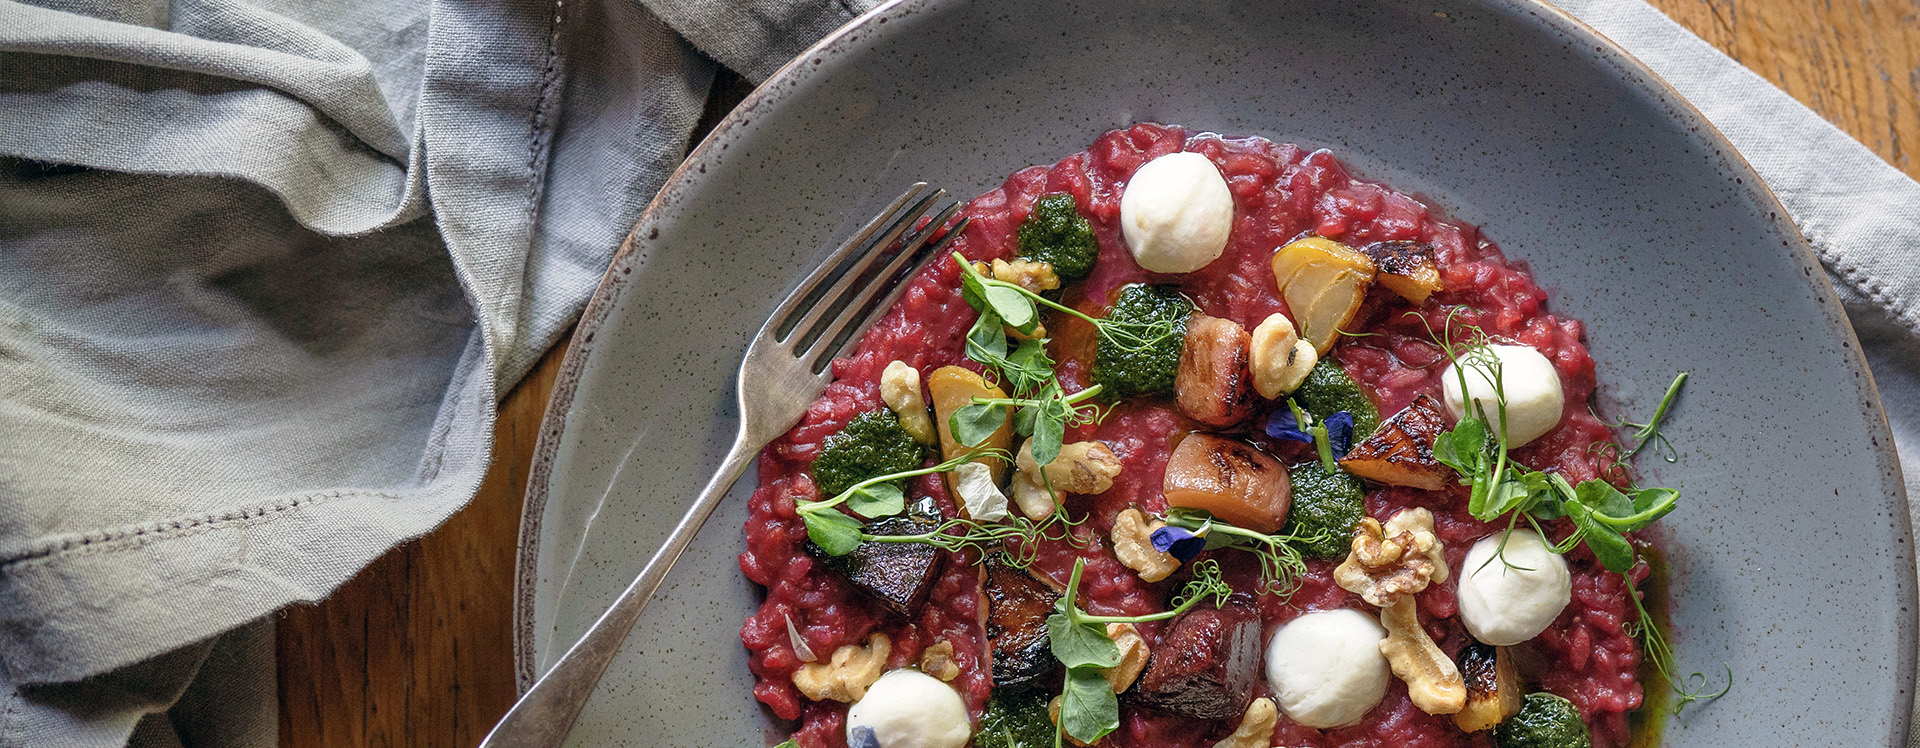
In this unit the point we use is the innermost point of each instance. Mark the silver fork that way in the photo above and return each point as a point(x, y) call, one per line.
point(785, 369)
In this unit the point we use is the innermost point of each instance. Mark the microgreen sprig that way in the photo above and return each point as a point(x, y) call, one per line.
point(1280, 561)
point(1016, 536)
point(1600, 512)
point(1089, 710)
point(838, 533)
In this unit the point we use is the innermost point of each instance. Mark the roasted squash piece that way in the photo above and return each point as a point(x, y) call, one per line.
point(1017, 608)
point(1215, 384)
point(1400, 452)
point(1323, 283)
point(1406, 268)
point(1493, 687)
point(953, 388)
point(1230, 479)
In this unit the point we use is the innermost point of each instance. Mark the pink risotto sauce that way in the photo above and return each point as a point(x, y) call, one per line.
point(1281, 192)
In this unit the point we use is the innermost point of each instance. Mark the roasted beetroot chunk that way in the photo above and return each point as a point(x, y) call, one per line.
point(895, 575)
point(1017, 609)
point(1207, 665)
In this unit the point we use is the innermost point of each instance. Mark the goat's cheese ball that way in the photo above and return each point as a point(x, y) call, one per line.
point(1176, 213)
point(908, 709)
point(1534, 397)
point(1504, 604)
point(1326, 668)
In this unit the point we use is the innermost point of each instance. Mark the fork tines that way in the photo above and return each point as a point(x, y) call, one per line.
point(863, 277)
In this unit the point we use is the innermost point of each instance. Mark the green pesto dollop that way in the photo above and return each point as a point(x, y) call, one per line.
point(1328, 390)
point(1544, 721)
point(1015, 720)
point(1140, 354)
point(1055, 233)
point(871, 445)
point(1324, 503)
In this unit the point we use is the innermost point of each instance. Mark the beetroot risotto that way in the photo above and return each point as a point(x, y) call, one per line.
point(1207, 443)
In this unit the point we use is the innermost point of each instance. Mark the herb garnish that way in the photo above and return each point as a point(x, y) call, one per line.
point(1089, 709)
point(1600, 512)
point(838, 533)
point(1045, 410)
point(1280, 562)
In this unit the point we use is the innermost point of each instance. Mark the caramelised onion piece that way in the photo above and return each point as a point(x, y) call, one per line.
point(1214, 385)
point(1323, 283)
point(1230, 479)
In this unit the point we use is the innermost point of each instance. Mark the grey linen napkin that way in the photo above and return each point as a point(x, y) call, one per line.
point(266, 266)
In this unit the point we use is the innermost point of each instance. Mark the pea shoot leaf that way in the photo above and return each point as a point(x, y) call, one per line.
point(1013, 307)
point(1463, 448)
point(987, 340)
point(1049, 431)
point(836, 533)
point(1083, 645)
point(972, 424)
point(1088, 708)
point(1601, 497)
point(1609, 547)
point(877, 500)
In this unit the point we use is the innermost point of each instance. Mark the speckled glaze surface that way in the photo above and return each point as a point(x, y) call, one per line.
point(1791, 553)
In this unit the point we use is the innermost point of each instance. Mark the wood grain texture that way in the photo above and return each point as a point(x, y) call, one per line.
point(416, 651)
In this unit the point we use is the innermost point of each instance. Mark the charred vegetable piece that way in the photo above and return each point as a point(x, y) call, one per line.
point(1544, 721)
point(1207, 664)
point(870, 445)
point(1016, 719)
point(896, 575)
point(1327, 504)
point(1230, 479)
point(1405, 268)
point(1493, 687)
point(1054, 233)
point(1329, 390)
point(1157, 317)
point(1400, 452)
point(1017, 610)
point(1323, 283)
point(1215, 385)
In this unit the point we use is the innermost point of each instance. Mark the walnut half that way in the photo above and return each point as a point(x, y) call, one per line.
point(846, 676)
point(1133, 544)
point(1391, 562)
point(1256, 726)
point(1433, 681)
point(1087, 467)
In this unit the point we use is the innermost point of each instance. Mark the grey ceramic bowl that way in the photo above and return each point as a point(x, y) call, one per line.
point(1790, 553)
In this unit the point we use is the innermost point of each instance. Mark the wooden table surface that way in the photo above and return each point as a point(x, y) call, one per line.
point(417, 651)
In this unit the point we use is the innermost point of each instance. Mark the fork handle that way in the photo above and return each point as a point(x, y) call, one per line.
point(543, 716)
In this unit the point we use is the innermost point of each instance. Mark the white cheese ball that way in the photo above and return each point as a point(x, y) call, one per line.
point(1176, 213)
point(1534, 397)
point(1504, 604)
point(910, 709)
point(1326, 668)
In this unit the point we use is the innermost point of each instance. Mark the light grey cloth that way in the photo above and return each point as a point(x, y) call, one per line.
point(265, 267)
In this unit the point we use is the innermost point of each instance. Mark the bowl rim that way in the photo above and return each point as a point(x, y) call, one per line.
point(779, 86)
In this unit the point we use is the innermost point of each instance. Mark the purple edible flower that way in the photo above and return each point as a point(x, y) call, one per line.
point(1178, 542)
point(1281, 425)
point(861, 736)
point(1340, 433)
